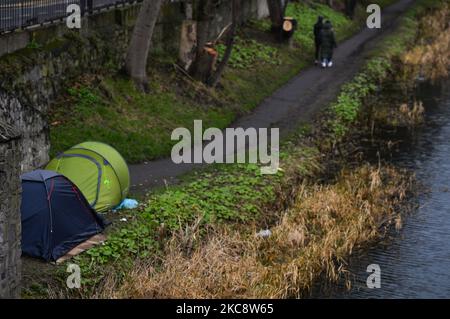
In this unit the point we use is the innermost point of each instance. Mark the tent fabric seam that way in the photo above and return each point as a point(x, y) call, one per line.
point(100, 172)
point(112, 166)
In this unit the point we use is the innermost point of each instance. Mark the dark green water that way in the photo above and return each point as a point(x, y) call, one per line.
point(415, 261)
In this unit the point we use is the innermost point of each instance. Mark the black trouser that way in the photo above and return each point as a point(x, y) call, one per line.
point(317, 43)
point(328, 56)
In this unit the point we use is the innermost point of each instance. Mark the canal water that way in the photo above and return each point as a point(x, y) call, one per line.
point(415, 260)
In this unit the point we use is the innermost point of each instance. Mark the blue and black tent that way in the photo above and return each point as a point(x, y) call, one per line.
point(55, 215)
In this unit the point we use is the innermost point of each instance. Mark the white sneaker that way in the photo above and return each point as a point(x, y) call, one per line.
point(324, 64)
point(330, 64)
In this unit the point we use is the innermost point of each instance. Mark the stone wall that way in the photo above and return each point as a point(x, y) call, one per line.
point(33, 77)
point(166, 34)
point(35, 67)
point(10, 221)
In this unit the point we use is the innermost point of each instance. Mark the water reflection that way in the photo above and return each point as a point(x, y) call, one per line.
point(415, 262)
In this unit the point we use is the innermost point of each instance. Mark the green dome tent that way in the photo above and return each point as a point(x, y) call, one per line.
point(98, 170)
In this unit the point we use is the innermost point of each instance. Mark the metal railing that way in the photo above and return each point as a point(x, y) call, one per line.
point(20, 14)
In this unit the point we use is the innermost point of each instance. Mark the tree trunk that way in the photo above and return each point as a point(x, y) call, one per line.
point(350, 6)
point(277, 9)
point(215, 78)
point(276, 12)
point(202, 66)
point(138, 50)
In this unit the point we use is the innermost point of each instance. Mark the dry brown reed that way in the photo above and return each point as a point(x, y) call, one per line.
point(431, 56)
point(315, 236)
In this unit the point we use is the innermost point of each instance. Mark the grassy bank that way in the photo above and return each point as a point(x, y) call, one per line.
point(315, 225)
point(419, 48)
point(317, 231)
point(109, 108)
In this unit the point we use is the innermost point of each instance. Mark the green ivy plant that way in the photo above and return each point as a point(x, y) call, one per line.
point(248, 52)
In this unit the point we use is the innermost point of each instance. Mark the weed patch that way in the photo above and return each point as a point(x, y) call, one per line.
point(325, 224)
point(381, 66)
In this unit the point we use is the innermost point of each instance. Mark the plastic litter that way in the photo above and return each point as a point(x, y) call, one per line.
point(264, 233)
point(127, 203)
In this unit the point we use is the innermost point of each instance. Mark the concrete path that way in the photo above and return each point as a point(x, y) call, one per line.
point(297, 101)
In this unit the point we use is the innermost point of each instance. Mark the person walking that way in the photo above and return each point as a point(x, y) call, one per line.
point(327, 44)
point(317, 31)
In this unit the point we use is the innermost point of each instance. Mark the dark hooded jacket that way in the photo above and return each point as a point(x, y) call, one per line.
point(327, 40)
point(318, 29)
